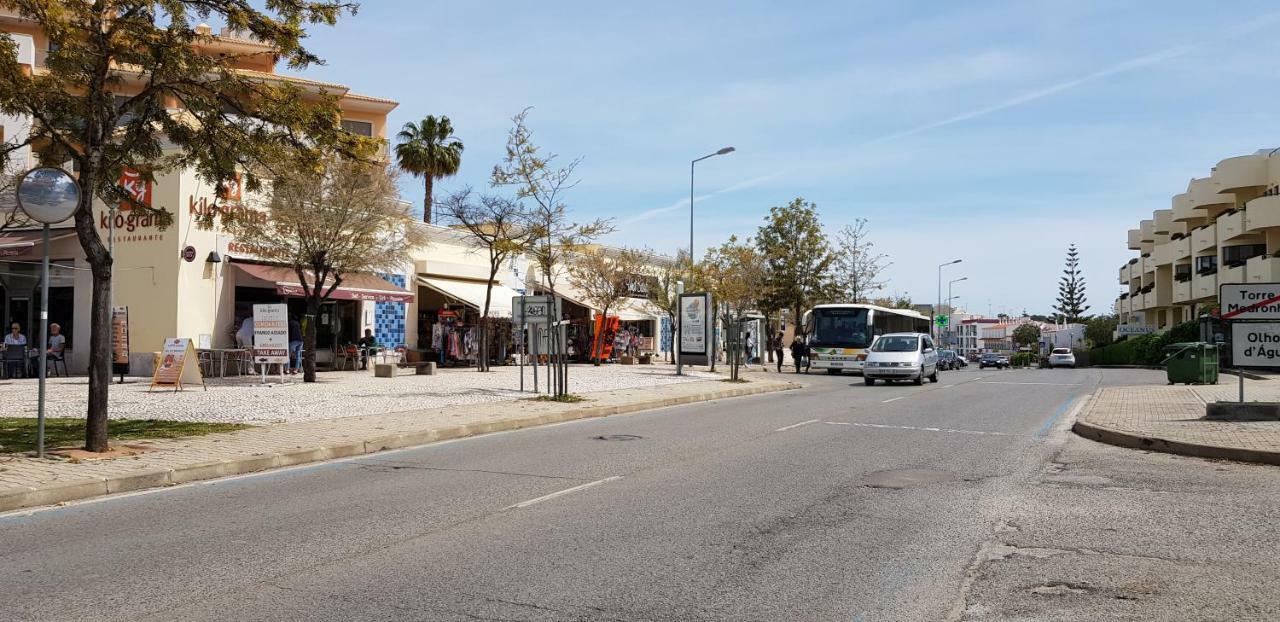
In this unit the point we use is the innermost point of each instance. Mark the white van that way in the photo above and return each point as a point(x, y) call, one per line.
point(901, 356)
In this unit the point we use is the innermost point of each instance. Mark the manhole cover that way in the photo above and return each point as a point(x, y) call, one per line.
point(618, 437)
point(907, 478)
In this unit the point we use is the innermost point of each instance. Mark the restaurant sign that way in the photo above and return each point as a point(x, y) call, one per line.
point(271, 334)
point(296, 290)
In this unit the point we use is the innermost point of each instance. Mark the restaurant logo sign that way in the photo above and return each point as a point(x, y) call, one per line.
point(230, 189)
point(136, 187)
point(206, 212)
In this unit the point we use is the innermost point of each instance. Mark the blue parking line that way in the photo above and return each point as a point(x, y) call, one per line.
point(1048, 425)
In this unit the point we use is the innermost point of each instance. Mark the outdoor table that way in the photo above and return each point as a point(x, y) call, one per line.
point(221, 354)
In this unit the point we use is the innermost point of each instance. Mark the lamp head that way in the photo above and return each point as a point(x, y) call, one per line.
point(725, 150)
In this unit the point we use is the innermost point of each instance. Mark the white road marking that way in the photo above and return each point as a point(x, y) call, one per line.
point(561, 493)
point(948, 386)
point(1051, 384)
point(920, 429)
point(893, 399)
point(796, 425)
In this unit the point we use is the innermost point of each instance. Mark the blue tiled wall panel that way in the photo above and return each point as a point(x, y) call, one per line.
point(388, 317)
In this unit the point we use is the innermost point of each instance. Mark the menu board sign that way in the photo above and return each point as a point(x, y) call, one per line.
point(120, 340)
point(271, 334)
point(177, 365)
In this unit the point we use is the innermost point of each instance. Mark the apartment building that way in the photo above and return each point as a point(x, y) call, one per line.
point(1224, 229)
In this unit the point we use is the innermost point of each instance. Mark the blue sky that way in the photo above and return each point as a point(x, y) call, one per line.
point(995, 132)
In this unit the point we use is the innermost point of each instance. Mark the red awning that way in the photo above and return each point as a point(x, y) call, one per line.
point(358, 286)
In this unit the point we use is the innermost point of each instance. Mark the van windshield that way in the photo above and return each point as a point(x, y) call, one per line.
point(896, 344)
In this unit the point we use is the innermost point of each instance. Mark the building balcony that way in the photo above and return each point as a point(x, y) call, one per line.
point(1204, 239)
point(1134, 239)
point(1204, 286)
point(1163, 219)
point(1149, 300)
point(1147, 231)
point(1263, 269)
point(1241, 173)
point(1181, 292)
point(1163, 254)
point(1181, 248)
point(1227, 274)
point(1124, 274)
point(1185, 212)
point(1264, 213)
point(1230, 226)
point(1204, 196)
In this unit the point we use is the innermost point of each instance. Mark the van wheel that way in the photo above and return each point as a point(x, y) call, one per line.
point(934, 377)
point(871, 382)
point(919, 380)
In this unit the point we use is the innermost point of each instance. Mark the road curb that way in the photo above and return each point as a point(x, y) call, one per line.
point(94, 487)
point(1132, 440)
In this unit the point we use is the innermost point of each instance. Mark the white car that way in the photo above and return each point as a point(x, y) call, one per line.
point(1062, 357)
point(901, 356)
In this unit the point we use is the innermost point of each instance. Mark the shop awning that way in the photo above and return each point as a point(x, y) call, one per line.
point(358, 286)
point(571, 294)
point(636, 309)
point(472, 293)
point(15, 243)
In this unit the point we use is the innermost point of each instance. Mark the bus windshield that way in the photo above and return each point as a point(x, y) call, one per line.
point(847, 328)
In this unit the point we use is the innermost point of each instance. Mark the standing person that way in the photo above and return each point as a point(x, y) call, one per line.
point(776, 346)
point(798, 351)
point(295, 344)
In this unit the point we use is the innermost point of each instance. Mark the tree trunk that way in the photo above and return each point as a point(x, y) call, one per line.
point(309, 340)
point(100, 262)
point(428, 182)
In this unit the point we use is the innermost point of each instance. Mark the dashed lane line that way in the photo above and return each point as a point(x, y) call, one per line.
point(919, 429)
point(796, 425)
point(561, 493)
point(894, 399)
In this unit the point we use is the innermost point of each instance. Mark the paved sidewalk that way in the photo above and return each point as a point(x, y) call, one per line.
point(1171, 419)
point(27, 481)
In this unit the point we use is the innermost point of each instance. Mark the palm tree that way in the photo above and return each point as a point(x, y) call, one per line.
point(428, 149)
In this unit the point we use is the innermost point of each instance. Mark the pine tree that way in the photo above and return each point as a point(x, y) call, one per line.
point(1071, 297)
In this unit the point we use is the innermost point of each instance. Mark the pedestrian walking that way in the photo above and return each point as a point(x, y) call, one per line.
point(776, 345)
point(798, 351)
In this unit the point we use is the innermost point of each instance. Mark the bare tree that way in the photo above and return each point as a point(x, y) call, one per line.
point(328, 222)
point(605, 279)
point(858, 266)
point(536, 178)
point(501, 228)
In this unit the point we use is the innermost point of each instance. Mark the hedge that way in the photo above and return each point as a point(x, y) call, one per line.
point(1144, 349)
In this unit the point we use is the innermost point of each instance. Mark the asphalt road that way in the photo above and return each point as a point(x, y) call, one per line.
point(966, 499)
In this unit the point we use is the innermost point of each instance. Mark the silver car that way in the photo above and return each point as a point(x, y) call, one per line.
point(901, 356)
point(1062, 357)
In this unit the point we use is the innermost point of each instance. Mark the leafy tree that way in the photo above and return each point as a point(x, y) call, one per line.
point(1099, 330)
point(605, 279)
point(858, 267)
point(1027, 335)
point(1071, 296)
point(428, 149)
point(536, 178)
point(329, 222)
point(896, 301)
point(735, 273)
point(498, 226)
point(105, 101)
point(798, 258)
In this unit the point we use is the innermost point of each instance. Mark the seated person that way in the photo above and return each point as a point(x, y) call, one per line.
point(367, 344)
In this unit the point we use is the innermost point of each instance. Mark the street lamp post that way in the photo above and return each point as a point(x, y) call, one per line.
point(933, 320)
point(711, 352)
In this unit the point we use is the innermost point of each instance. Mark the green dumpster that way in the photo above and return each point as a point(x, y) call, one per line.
point(1193, 362)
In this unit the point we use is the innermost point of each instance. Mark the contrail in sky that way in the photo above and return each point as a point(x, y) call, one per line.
point(1133, 64)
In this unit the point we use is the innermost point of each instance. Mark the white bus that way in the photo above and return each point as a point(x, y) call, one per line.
point(838, 335)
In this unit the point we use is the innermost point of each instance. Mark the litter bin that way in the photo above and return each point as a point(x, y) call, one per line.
point(1193, 362)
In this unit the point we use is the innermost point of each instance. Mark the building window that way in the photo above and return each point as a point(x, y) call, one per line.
point(1182, 272)
point(1236, 256)
point(359, 128)
point(1206, 265)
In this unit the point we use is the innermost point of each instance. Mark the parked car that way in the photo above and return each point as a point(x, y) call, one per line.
point(901, 356)
point(947, 360)
point(1062, 357)
point(961, 362)
point(991, 359)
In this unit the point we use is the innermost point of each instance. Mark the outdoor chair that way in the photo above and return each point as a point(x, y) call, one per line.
point(15, 362)
point(342, 356)
point(52, 361)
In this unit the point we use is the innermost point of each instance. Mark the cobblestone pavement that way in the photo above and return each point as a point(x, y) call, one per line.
point(336, 394)
point(1176, 413)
